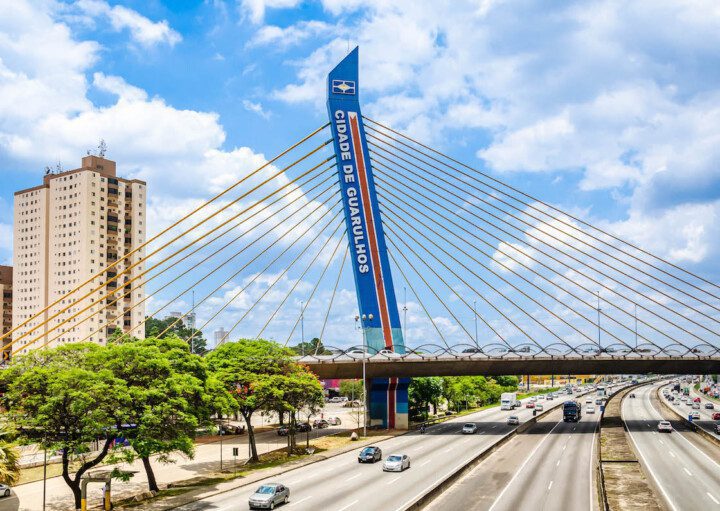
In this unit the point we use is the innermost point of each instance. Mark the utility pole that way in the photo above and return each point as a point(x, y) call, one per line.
point(404, 314)
point(302, 328)
point(598, 309)
point(192, 328)
point(475, 317)
point(636, 331)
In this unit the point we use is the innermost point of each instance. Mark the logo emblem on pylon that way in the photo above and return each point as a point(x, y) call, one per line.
point(343, 87)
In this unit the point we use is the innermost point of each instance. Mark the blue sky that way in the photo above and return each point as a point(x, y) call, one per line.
point(610, 111)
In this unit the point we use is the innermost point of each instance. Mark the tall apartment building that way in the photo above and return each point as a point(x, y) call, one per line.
point(5, 302)
point(66, 231)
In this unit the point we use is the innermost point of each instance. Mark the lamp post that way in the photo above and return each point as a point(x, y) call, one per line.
point(598, 309)
point(364, 318)
point(475, 317)
point(636, 333)
point(302, 328)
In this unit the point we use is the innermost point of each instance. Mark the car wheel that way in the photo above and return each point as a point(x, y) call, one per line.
point(287, 499)
point(7, 493)
point(272, 505)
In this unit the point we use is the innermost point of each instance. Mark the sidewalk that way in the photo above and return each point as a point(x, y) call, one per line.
point(206, 462)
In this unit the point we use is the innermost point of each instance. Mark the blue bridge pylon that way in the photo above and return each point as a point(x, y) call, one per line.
point(388, 397)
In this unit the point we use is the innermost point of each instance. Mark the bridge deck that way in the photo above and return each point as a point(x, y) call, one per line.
point(414, 365)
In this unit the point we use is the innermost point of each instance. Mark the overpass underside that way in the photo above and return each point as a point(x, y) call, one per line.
point(345, 369)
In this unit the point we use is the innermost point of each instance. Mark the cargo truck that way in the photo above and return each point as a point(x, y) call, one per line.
point(509, 401)
point(572, 411)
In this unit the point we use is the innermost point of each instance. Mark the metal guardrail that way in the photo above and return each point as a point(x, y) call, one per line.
point(490, 351)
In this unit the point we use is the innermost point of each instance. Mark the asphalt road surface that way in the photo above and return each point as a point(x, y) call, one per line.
point(683, 466)
point(549, 466)
point(341, 483)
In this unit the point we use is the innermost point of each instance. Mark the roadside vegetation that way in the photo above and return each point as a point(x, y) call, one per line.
point(143, 399)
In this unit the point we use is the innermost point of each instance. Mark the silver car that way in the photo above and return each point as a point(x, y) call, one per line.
point(4, 490)
point(396, 463)
point(269, 495)
point(513, 420)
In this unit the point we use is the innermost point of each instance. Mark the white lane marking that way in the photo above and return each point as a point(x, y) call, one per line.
point(353, 477)
point(712, 498)
point(550, 485)
point(685, 439)
point(393, 480)
point(351, 504)
point(495, 426)
point(293, 502)
point(425, 463)
point(558, 463)
point(687, 471)
point(672, 454)
point(661, 442)
point(652, 474)
point(448, 449)
point(522, 467)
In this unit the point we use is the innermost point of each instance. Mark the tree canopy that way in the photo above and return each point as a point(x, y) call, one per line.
point(194, 338)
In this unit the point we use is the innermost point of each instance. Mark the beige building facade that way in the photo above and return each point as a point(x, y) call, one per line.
point(6, 302)
point(66, 231)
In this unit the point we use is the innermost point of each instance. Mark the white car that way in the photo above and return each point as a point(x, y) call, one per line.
point(695, 416)
point(396, 463)
point(4, 490)
point(664, 426)
point(513, 420)
point(590, 409)
point(588, 400)
point(469, 429)
point(539, 407)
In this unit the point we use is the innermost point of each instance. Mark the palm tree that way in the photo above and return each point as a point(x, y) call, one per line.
point(9, 461)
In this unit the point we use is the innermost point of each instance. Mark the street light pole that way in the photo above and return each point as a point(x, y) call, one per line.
point(302, 328)
point(598, 309)
point(364, 318)
point(404, 315)
point(636, 332)
point(475, 317)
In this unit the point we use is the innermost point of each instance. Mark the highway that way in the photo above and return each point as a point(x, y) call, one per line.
point(682, 465)
point(706, 422)
point(549, 466)
point(341, 483)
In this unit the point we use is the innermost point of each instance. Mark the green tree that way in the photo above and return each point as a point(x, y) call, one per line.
point(296, 390)
point(312, 347)
point(56, 398)
point(352, 389)
point(246, 368)
point(169, 397)
point(194, 338)
point(9, 461)
point(423, 392)
point(511, 382)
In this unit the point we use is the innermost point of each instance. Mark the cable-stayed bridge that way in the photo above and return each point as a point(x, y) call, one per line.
point(499, 281)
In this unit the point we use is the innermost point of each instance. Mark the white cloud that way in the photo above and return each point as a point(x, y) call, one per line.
point(256, 8)
point(284, 37)
point(255, 108)
point(143, 31)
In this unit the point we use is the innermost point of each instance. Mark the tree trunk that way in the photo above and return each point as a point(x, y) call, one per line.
point(74, 484)
point(251, 437)
point(152, 483)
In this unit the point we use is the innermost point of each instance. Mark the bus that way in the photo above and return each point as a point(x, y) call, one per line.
point(601, 391)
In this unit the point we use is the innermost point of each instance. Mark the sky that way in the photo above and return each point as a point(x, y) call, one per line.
point(607, 109)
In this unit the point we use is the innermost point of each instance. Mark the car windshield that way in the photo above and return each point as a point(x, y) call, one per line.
point(468, 425)
point(394, 458)
point(513, 418)
point(266, 490)
point(368, 450)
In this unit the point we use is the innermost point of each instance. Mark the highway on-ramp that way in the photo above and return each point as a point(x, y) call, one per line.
point(684, 467)
point(340, 483)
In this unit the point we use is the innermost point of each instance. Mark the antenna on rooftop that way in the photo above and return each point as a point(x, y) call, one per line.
point(102, 148)
point(48, 170)
point(59, 167)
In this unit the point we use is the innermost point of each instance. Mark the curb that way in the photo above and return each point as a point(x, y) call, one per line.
point(432, 493)
point(690, 425)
